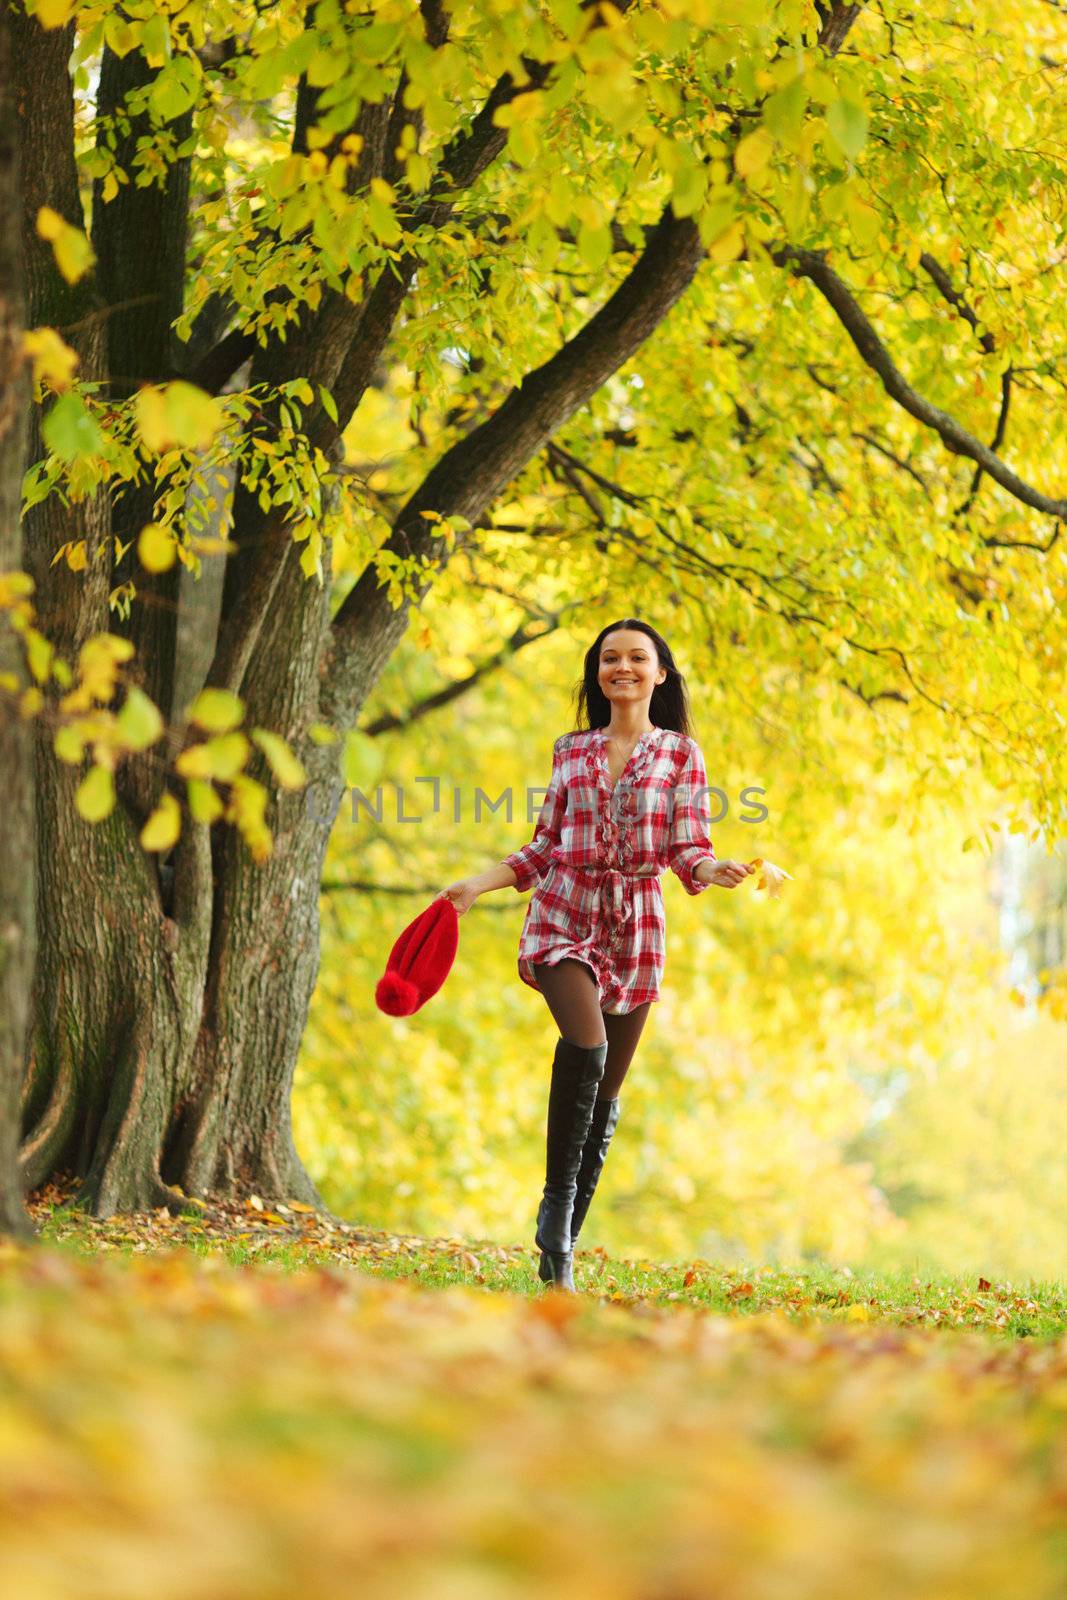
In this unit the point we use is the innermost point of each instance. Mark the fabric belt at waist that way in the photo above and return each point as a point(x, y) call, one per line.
point(614, 897)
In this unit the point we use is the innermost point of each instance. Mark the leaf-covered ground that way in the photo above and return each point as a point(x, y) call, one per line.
point(228, 1405)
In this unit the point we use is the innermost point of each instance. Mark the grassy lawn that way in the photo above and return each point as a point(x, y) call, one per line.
point(245, 1235)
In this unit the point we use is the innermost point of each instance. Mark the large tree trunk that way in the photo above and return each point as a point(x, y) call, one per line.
point(116, 993)
point(17, 931)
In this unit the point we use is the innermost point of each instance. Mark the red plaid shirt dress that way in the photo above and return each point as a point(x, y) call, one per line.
point(597, 856)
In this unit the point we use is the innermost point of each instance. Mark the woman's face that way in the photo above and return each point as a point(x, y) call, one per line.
point(629, 667)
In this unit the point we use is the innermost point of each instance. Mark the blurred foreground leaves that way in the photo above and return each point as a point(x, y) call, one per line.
point(178, 1425)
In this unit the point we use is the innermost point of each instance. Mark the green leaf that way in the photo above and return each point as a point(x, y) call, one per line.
point(690, 185)
point(70, 430)
point(382, 219)
point(139, 721)
point(329, 404)
point(174, 91)
point(594, 245)
point(848, 123)
point(783, 111)
point(361, 760)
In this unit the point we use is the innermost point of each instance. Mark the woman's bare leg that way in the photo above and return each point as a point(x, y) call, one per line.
point(574, 1001)
point(623, 1035)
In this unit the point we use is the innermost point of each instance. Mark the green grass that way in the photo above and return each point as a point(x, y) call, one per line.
point(243, 1237)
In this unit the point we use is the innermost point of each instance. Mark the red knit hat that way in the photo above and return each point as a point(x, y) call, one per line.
point(420, 960)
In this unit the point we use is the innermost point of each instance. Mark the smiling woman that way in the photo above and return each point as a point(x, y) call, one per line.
point(627, 800)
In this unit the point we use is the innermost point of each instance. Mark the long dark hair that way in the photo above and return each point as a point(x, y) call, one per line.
point(669, 706)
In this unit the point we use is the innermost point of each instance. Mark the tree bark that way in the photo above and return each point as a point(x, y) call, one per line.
point(17, 925)
point(115, 996)
point(143, 289)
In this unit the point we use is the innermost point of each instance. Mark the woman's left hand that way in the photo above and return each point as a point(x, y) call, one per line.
point(728, 874)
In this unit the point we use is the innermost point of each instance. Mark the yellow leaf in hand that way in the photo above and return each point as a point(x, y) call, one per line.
point(771, 877)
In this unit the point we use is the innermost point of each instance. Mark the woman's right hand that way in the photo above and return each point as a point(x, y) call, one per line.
point(463, 893)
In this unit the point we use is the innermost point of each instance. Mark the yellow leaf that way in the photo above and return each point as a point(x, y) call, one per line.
point(771, 877)
point(283, 763)
point(216, 710)
point(69, 742)
point(13, 587)
point(176, 416)
point(53, 13)
point(72, 250)
point(77, 559)
point(204, 803)
point(248, 803)
point(754, 152)
point(220, 758)
point(95, 795)
point(39, 653)
point(227, 755)
point(194, 762)
point(156, 547)
point(163, 826)
point(53, 361)
point(728, 245)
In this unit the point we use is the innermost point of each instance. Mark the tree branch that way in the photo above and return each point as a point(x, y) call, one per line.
point(423, 891)
point(949, 292)
point(836, 21)
point(478, 466)
point(812, 264)
point(215, 369)
point(875, 443)
point(527, 633)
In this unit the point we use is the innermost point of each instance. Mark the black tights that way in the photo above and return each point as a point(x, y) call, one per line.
point(571, 992)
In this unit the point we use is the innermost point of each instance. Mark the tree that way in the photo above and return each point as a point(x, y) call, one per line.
point(534, 211)
point(16, 751)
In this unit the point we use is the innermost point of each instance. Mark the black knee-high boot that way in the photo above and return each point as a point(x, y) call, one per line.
point(576, 1073)
point(604, 1122)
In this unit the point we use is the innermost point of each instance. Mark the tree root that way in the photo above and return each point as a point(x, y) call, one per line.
point(40, 1150)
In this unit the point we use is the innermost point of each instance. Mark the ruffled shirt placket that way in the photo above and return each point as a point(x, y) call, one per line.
point(613, 904)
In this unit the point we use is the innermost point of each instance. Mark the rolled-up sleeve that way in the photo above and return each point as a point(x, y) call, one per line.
point(531, 861)
point(689, 842)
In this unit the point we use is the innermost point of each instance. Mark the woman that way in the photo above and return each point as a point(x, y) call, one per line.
point(627, 799)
